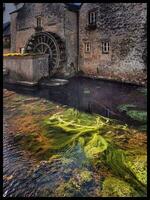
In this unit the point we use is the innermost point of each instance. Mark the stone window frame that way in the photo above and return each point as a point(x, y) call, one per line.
point(92, 16)
point(87, 47)
point(105, 46)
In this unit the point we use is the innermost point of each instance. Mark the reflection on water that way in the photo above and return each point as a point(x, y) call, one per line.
point(93, 96)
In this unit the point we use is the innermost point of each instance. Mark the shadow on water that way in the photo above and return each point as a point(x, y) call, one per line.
point(92, 96)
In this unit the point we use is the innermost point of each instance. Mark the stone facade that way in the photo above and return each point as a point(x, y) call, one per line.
point(123, 25)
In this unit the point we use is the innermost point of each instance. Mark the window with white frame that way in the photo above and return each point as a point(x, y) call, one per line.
point(87, 47)
point(105, 47)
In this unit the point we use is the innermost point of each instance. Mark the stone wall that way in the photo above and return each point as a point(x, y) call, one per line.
point(124, 26)
point(26, 68)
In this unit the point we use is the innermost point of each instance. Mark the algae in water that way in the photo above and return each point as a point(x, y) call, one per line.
point(115, 187)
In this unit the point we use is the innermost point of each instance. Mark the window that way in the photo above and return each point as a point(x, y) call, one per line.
point(22, 50)
point(92, 17)
point(39, 22)
point(87, 47)
point(105, 47)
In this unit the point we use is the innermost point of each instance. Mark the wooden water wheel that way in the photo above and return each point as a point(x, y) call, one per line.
point(48, 43)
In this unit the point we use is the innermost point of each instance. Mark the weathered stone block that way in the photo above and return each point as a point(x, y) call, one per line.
point(27, 68)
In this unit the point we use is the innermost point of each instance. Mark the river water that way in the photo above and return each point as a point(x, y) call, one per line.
point(23, 175)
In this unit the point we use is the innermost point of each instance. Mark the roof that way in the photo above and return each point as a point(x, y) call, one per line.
point(72, 6)
point(17, 10)
point(6, 29)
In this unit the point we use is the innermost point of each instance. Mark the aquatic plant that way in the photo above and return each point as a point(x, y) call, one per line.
point(126, 107)
point(138, 115)
point(143, 90)
point(126, 165)
point(95, 146)
point(131, 111)
point(115, 187)
point(71, 125)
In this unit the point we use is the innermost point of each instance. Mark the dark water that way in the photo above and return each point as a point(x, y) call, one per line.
point(93, 96)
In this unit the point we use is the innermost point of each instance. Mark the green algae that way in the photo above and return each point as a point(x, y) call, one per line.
point(71, 125)
point(138, 115)
point(138, 166)
point(85, 176)
point(115, 187)
point(143, 91)
point(126, 166)
point(132, 111)
point(93, 136)
point(126, 107)
point(96, 145)
point(76, 185)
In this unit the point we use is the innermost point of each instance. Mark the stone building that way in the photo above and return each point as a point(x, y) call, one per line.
point(113, 41)
point(7, 8)
point(49, 28)
point(102, 40)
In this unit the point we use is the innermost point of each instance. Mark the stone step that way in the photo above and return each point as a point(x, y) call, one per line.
point(54, 82)
point(27, 83)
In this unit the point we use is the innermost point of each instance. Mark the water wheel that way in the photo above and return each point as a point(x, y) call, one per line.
point(48, 43)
